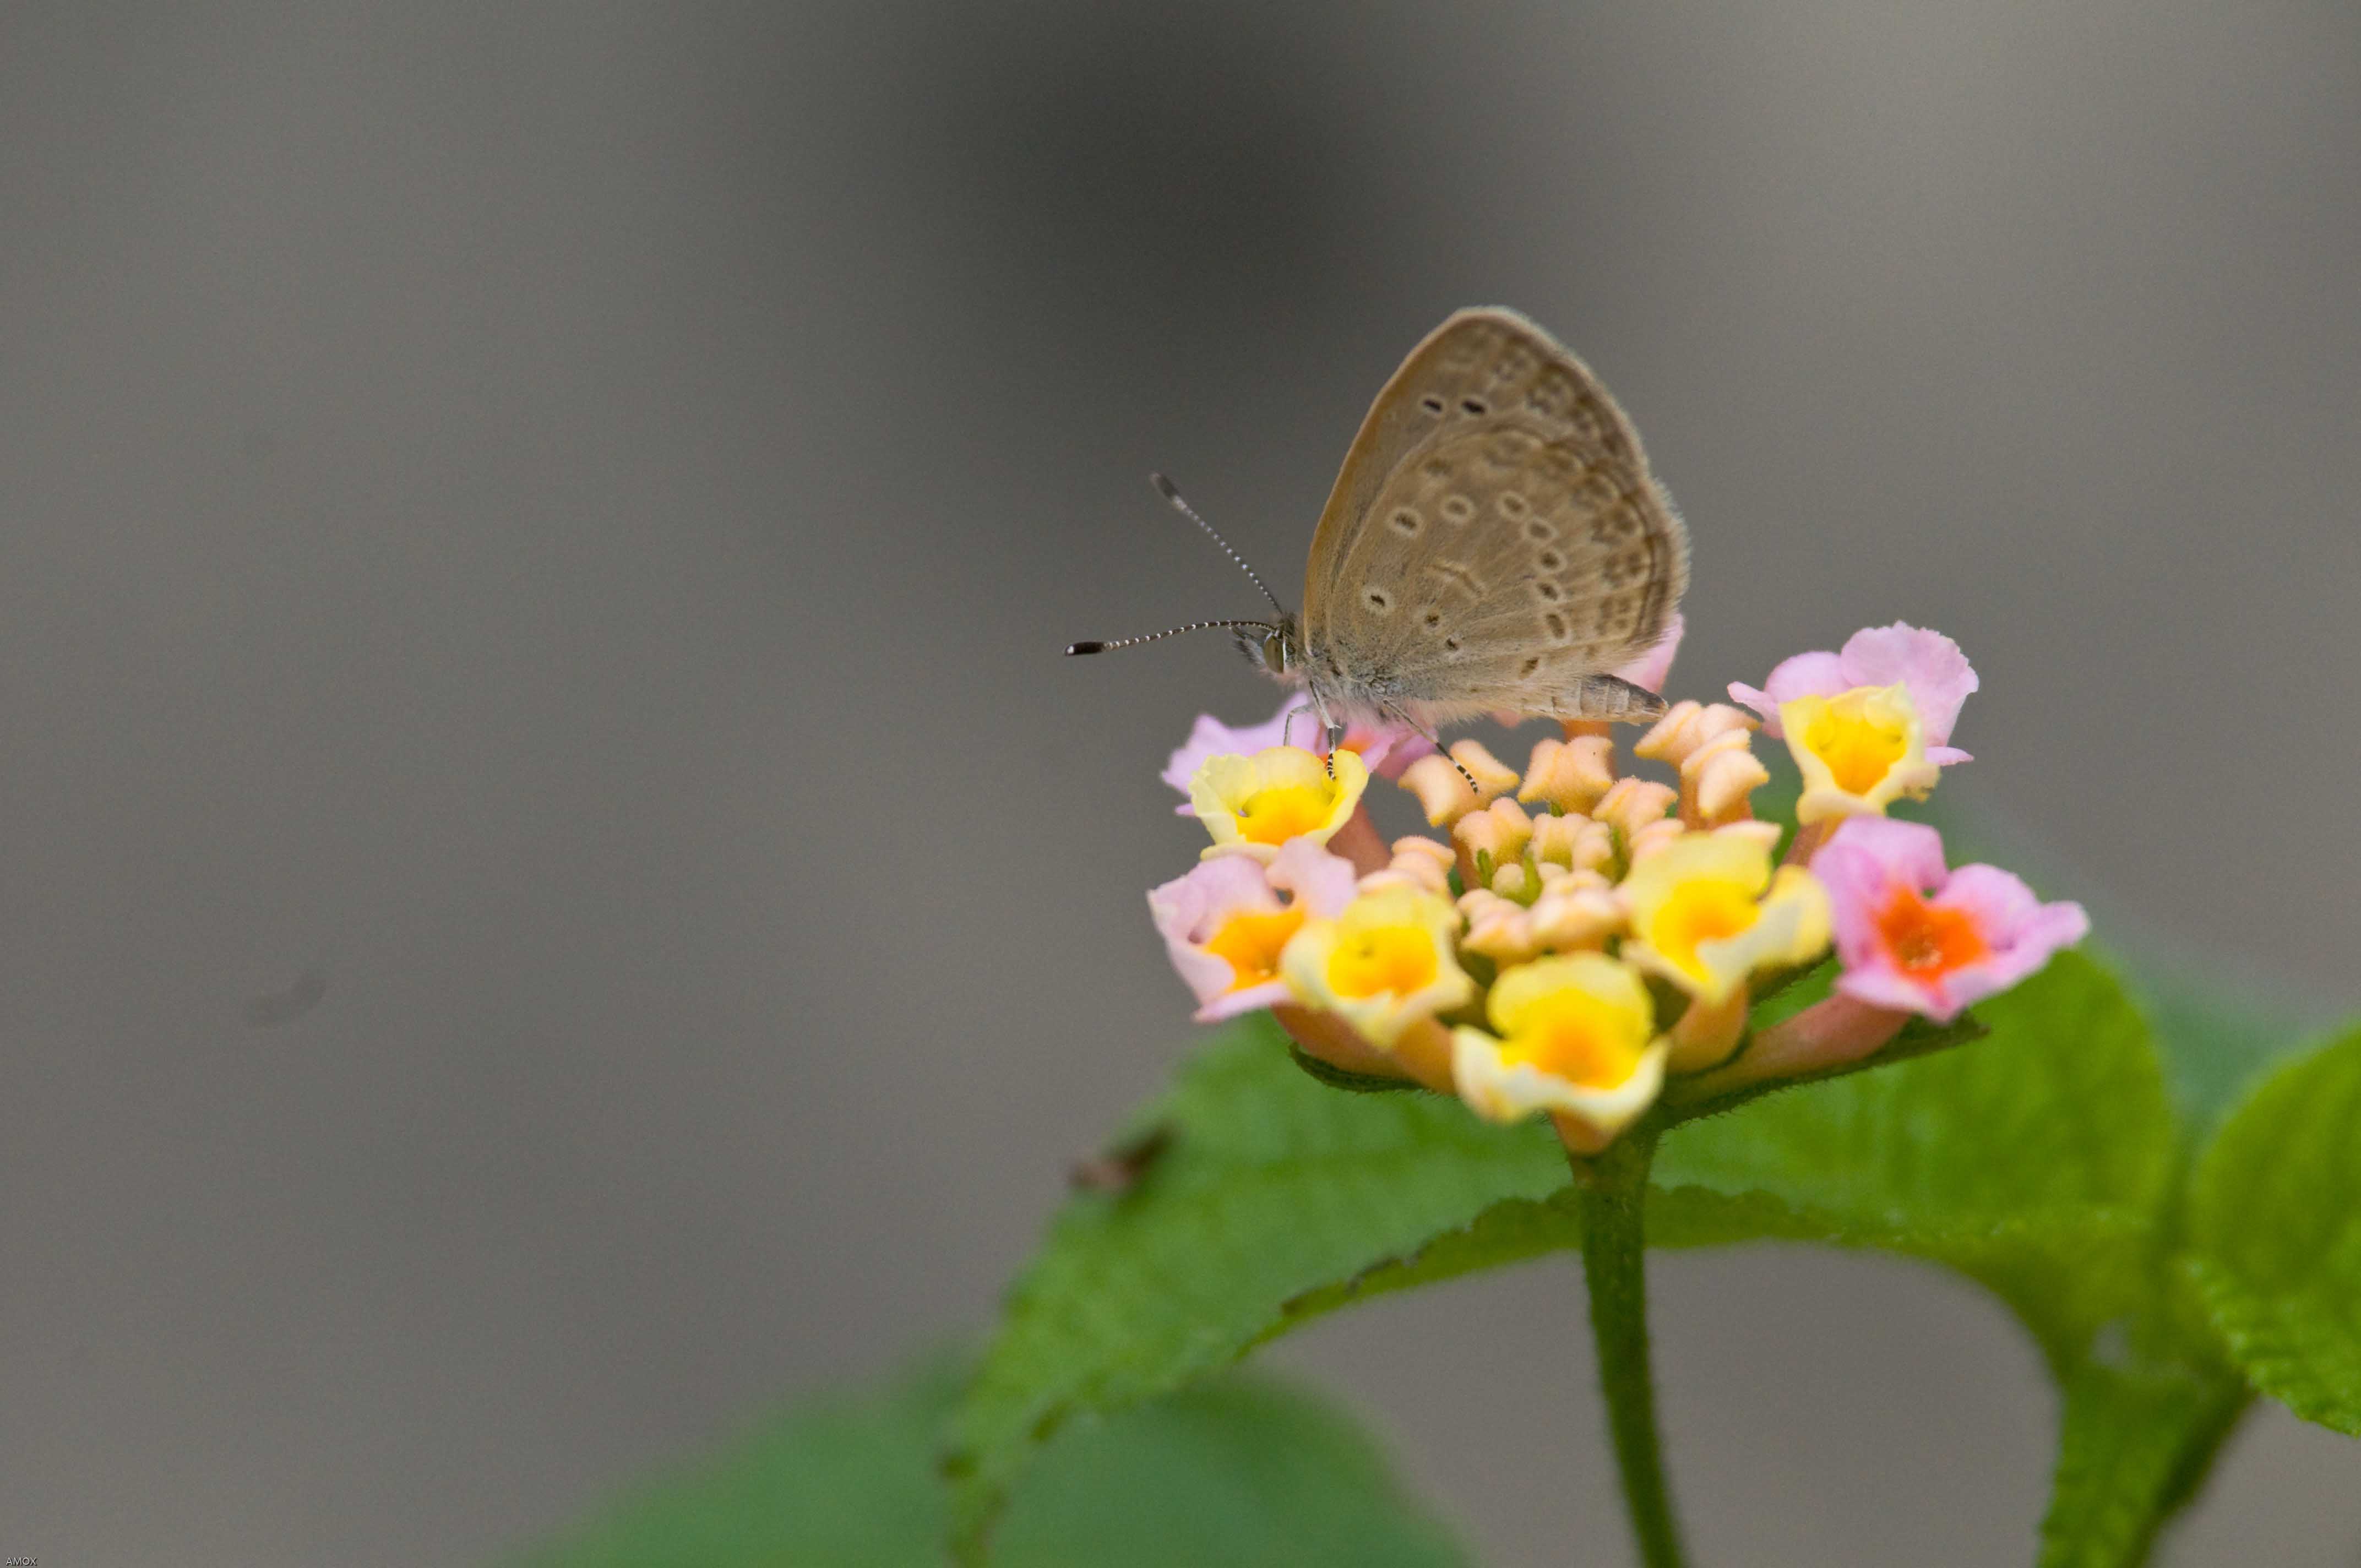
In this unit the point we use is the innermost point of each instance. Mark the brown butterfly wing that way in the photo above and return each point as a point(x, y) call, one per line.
point(1495, 535)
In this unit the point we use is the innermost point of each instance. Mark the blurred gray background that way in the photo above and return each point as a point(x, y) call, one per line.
point(544, 533)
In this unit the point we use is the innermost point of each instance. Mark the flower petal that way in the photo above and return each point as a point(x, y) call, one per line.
point(1254, 804)
point(1574, 1039)
point(1859, 751)
point(1209, 737)
point(1915, 935)
point(1649, 670)
point(1189, 909)
point(1249, 998)
point(1706, 911)
point(1500, 1092)
point(1321, 884)
point(1930, 664)
point(2030, 932)
point(1384, 963)
point(1867, 855)
point(1388, 748)
point(1806, 675)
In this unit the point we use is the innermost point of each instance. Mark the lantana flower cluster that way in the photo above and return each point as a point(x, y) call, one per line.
point(1578, 939)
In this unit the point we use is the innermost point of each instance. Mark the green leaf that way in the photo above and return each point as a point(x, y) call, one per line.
point(2216, 1037)
point(1234, 1470)
point(2135, 1440)
point(1519, 1229)
point(1238, 1470)
point(2275, 1236)
point(2214, 1031)
point(1272, 1185)
point(1351, 1083)
point(2035, 1161)
point(846, 1482)
point(1511, 1231)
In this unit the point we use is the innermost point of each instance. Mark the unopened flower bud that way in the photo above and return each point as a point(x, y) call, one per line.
point(1570, 775)
point(1634, 803)
point(1496, 835)
point(1421, 862)
point(1577, 914)
point(1497, 927)
point(1577, 843)
point(1654, 835)
point(1442, 789)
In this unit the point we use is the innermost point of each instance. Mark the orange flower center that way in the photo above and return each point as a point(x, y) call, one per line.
point(1396, 958)
point(1274, 815)
point(1249, 944)
point(1927, 942)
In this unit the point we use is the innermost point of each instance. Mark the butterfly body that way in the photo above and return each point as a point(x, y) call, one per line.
point(1494, 543)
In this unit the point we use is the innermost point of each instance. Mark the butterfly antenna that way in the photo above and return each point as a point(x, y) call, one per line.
point(1262, 626)
point(1172, 493)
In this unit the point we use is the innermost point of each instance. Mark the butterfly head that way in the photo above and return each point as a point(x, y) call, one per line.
point(1273, 647)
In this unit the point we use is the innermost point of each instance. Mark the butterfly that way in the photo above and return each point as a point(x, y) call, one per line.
point(1495, 544)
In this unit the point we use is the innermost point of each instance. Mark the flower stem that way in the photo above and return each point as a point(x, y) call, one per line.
point(1614, 1188)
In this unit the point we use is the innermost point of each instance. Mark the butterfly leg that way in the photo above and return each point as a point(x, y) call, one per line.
point(1335, 731)
point(1287, 726)
point(1415, 728)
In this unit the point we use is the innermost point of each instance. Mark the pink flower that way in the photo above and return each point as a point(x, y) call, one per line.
point(1212, 738)
point(1930, 664)
point(1224, 925)
point(1388, 748)
point(1915, 935)
point(1651, 668)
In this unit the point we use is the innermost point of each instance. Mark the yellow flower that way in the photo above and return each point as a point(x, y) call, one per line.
point(1575, 1038)
point(1859, 751)
point(1254, 804)
point(1383, 964)
point(1702, 918)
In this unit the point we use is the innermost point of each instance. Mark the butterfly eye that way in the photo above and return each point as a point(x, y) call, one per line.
point(1274, 654)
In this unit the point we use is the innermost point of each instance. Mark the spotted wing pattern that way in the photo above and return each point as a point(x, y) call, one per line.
point(1495, 536)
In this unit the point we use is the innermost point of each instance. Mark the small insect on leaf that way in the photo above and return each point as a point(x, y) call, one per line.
point(1118, 1170)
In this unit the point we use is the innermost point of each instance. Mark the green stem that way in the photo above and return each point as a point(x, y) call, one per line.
point(1614, 1187)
